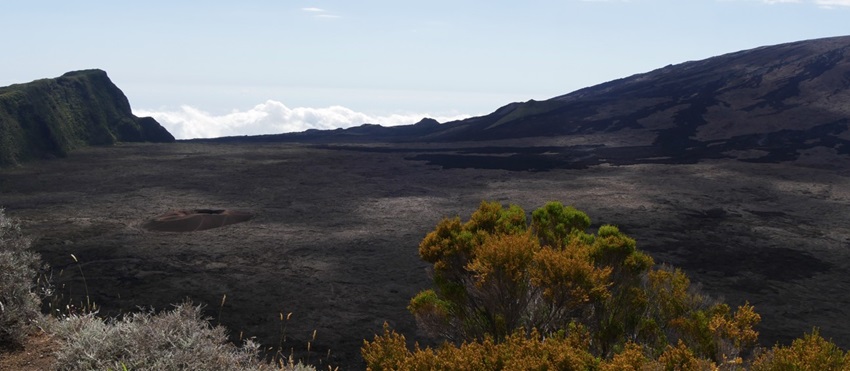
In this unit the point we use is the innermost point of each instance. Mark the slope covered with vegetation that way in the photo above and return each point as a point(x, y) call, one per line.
point(51, 117)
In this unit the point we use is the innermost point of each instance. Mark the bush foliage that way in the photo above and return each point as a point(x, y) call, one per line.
point(19, 269)
point(809, 353)
point(180, 339)
point(509, 294)
point(495, 274)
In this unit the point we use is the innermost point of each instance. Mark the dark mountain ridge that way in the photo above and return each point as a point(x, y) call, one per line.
point(50, 117)
point(767, 104)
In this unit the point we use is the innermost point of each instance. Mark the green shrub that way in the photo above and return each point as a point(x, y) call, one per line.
point(19, 267)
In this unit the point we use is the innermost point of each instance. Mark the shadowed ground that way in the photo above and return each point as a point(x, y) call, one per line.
point(335, 230)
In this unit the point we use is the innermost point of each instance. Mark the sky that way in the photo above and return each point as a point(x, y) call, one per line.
point(218, 68)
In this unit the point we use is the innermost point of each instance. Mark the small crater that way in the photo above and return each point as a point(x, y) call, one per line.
point(191, 220)
point(210, 211)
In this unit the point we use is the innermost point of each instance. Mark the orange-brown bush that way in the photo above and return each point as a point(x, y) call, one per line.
point(517, 351)
point(810, 353)
point(499, 280)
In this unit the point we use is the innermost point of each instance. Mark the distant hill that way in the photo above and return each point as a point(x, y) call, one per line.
point(767, 104)
point(51, 117)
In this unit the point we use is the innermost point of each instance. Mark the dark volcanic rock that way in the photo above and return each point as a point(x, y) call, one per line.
point(50, 117)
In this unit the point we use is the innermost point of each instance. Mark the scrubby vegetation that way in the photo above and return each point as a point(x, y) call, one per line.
point(549, 295)
point(19, 267)
point(180, 339)
point(811, 352)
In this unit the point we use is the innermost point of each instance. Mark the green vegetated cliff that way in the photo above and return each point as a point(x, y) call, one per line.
point(50, 117)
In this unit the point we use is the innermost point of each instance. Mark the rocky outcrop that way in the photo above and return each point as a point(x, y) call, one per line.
point(50, 117)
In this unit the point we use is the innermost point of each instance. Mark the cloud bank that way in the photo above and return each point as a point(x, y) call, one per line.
point(273, 117)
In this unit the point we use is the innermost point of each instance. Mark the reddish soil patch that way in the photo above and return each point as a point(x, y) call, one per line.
point(36, 354)
point(195, 220)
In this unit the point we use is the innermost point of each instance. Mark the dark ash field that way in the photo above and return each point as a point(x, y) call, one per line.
point(335, 233)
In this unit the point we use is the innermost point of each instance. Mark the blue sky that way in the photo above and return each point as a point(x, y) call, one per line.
point(226, 68)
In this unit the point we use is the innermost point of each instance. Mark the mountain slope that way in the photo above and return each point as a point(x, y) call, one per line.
point(50, 117)
point(765, 98)
point(766, 104)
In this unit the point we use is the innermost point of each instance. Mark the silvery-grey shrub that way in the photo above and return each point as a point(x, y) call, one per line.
point(19, 269)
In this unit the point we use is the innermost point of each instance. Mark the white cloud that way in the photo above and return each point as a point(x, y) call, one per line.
point(319, 13)
point(273, 117)
point(832, 3)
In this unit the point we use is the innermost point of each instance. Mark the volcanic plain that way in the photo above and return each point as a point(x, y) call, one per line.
point(334, 230)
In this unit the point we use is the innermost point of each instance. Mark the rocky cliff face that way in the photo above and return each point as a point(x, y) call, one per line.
point(51, 117)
